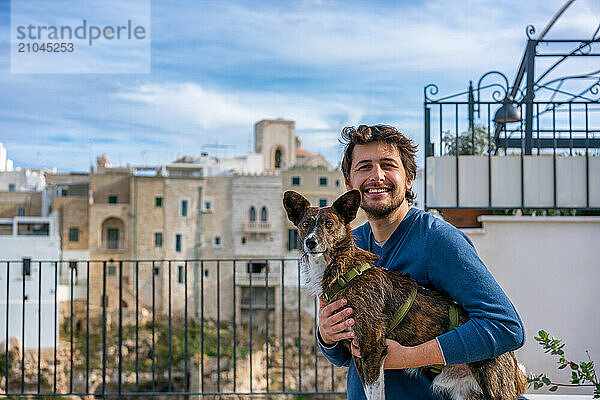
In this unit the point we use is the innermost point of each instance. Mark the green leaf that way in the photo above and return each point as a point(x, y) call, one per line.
point(575, 366)
point(562, 366)
point(546, 380)
point(553, 388)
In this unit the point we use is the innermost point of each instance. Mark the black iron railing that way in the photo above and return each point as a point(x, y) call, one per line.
point(160, 328)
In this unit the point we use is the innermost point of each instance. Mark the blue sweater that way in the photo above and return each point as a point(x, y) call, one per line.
point(435, 253)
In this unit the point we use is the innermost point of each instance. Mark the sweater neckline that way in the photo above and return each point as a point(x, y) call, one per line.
point(397, 235)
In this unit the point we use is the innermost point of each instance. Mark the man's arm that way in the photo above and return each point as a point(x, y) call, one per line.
point(494, 327)
point(402, 357)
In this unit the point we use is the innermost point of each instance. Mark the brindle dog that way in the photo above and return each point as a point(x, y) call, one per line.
point(377, 294)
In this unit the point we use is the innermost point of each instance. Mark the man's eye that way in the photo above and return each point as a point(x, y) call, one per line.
point(305, 224)
point(328, 224)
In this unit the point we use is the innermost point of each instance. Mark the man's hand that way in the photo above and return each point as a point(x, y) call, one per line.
point(332, 324)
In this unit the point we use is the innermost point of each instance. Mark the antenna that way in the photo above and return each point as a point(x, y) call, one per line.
point(218, 146)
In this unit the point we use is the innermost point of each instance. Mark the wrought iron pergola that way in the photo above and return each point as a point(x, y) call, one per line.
point(552, 107)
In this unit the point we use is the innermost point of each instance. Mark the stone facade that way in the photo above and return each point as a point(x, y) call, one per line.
point(13, 204)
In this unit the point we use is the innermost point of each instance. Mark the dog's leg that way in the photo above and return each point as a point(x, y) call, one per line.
point(376, 390)
point(370, 371)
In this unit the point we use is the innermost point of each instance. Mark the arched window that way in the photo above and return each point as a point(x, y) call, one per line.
point(277, 158)
point(252, 214)
point(263, 214)
point(113, 230)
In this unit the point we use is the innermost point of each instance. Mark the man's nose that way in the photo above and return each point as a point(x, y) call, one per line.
point(377, 174)
point(311, 243)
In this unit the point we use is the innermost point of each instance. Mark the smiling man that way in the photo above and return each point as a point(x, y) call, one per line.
point(380, 162)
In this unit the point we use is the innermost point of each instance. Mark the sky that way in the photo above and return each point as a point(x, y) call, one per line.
point(218, 67)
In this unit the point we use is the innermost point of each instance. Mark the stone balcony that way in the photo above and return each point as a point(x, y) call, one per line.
point(257, 227)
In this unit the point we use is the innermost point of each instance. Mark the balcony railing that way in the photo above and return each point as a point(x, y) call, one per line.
point(466, 166)
point(176, 327)
point(257, 227)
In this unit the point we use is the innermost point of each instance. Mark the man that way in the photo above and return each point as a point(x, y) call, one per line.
point(380, 162)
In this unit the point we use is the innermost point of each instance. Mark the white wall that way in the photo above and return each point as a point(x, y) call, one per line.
point(25, 180)
point(15, 248)
point(550, 269)
point(505, 174)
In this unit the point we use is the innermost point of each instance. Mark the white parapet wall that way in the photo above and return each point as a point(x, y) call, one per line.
point(540, 174)
point(550, 269)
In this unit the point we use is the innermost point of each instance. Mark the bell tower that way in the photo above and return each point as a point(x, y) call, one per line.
point(276, 140)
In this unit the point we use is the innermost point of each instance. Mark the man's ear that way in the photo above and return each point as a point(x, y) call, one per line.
point(347, 205)
point(295, 205)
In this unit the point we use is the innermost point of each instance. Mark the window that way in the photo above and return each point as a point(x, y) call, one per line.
point(21, 212)
point(323, 181)
point(112, 238)
point(217, 240)
point(293, 240)
point(278, 160)
point(112, 199)
point(112, 270)
point(73, 234)
point(252, 214)
point(184, 208)
point(73, 269)
point(263, 214)
point(158, 201)
point(207, 205)
point(295, 180)
point(337, 183)
point(243, 239)
point(11, 187)
point(158, 239)
point(256, 267)
point(26, 267)
point(180, 274)
point(322, 202)
point(178, 242)
point(156, 270)
point(206, 273)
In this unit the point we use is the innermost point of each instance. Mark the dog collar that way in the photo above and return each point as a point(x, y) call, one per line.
point(344, 280)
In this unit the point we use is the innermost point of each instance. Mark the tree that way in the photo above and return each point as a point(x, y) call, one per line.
point(473, 142)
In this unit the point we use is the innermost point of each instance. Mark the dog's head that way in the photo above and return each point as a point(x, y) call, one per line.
point(321, 229)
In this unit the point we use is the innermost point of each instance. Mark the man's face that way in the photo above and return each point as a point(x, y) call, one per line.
point(378, 173)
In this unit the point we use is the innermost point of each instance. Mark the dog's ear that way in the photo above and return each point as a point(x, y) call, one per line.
point(295, 205)
point(347, 205)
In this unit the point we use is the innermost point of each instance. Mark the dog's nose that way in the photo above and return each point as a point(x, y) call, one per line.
point(311, 243)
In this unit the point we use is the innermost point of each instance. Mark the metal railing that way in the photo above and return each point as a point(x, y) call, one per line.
point(160, 328)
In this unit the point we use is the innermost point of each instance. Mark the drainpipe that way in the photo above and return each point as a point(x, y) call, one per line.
point(135, 212)
point(197, 254)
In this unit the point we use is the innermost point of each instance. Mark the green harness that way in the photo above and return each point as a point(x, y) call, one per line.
point(399, 315)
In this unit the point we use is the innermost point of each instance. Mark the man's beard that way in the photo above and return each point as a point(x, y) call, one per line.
point(382, 211)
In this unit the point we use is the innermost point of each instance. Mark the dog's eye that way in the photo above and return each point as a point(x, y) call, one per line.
point(305, 224)
point(328, 224)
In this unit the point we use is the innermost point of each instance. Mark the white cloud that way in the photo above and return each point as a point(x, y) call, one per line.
point(189, 107)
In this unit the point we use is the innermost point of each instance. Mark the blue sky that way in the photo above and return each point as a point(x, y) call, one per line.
point(217, 67)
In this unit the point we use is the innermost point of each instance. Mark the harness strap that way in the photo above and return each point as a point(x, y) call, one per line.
point(344, 280)
point(402, 311)
point(453, 323)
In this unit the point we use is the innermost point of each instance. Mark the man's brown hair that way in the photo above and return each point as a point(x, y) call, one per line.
point(380, 133)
